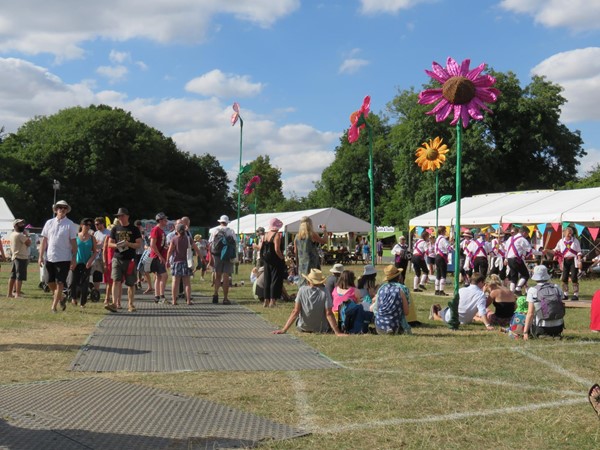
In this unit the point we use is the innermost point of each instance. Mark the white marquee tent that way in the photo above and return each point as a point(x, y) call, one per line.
point(336, 221)
point(6, 217)
point(580, 206)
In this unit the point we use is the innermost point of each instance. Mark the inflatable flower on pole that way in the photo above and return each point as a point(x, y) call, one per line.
point(358, 122)
point(464, 93)
point(234, 118)
point(431, 156)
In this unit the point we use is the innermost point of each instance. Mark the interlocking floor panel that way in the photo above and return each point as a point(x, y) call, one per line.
point(102, 414)
point(203, 336)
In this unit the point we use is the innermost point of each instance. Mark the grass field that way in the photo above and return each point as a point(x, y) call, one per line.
point(466, 389)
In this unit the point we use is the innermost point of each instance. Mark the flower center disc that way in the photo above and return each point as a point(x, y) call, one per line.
point(432, 154)
point(458, 90)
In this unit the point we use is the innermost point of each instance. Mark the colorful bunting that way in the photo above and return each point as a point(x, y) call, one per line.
point(579, 228)
point(542, 228)
point(531, 229)
point(555, 225)
point(593, 232)
point(505, 226)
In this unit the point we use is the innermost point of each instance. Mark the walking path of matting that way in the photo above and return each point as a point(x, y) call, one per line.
point(203, 336)
point(97, 413)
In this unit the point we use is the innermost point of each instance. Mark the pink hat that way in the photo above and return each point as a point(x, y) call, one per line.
point(275, 224)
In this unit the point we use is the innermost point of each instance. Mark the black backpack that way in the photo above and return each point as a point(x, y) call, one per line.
point(267, 251)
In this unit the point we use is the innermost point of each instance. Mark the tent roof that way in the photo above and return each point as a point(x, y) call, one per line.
point(336, 221)
point(525, 207)
point(6, 216)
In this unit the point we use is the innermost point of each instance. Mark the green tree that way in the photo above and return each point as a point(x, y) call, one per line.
point(104, 159)
point(269, 191)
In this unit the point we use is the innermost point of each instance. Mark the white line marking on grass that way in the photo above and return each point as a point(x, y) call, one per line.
point(475, 350)
point(454, 416)
point(307, 418)
point(486, 381)
point(555, 367)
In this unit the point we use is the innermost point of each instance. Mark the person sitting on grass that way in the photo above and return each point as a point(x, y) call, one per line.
point(312, 309)
point(546, 310)
point(503, 300)
point(471, 302)
point(391, 304)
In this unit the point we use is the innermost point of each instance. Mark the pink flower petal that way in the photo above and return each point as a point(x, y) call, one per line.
point(464, 114)
point(484, 81)
point(353, 134)
point(366, 106)
point(234, 118)
point(452, 67)
point(489, 95)
point(473, 74)
point(236, 107)
point(436, 77)
point(442, 110)
point(464, 67)
point(429, 96)
point(440, 72)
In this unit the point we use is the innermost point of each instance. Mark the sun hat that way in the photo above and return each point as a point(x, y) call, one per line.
point(122, 212)
point(197, 237)
point(540, 273)
point(223, 219)
point(314, 277)
point(275, 224)
point(61, 203)
point(18, 221)
point(369, 270)
point(161, 216)
point(337, 268)
point(522, 305)
point(467, 234)
point(390, 272)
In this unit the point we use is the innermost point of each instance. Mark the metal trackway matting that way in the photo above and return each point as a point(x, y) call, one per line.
point(97, 413)
point(203, 336)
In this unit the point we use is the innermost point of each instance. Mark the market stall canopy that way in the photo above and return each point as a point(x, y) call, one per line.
point(336, 221)
point(525, 207)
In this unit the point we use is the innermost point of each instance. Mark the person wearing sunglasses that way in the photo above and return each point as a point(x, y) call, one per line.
point(58, 252)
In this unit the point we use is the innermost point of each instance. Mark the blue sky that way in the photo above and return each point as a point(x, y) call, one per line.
point(297, 68)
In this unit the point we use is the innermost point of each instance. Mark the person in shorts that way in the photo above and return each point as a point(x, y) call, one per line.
point(178, 261)
point(58, 251)
point(19, 250)
point(158, 254)
point(223, 269)
point(125, 238)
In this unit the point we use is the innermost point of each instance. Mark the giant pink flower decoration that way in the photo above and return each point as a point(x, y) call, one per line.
point(463, 91)
point(251, 185)
point(236, 115)
point(354, 130)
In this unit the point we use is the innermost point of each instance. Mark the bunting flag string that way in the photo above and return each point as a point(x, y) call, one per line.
point(593, 232)
point(555, 226)
point(531, 229)
point(579, 228)
point(542, 227)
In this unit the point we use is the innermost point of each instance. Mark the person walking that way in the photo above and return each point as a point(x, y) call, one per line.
point(273, 259)
point(177, 259)
point(125, 238)
point(86, 254)
point(58, 252)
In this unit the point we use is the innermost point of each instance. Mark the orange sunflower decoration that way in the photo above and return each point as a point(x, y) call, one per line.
point(432, 154)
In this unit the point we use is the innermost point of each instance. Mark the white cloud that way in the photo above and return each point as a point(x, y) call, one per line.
point(59, 28)
point(575, 14)
point(217, 83)
point(197, 125)
point(113, 73)
point(117, 57)
point(388, 6)
point(589, 161)
point(578, 72)
point(352, 65)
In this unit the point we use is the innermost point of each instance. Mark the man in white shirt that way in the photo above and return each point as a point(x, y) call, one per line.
point(472, 302)
point(517, 249)
point(568, 253)
point(59, 251)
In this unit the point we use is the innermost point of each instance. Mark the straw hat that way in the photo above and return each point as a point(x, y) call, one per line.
point(390, 272)
point(337, 268)
point(315, 277)
point(61, 203)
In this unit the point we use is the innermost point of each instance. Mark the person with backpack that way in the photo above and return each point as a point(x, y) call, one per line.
point(546, 310)
point(223, 251)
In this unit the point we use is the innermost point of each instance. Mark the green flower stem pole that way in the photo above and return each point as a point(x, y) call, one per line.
point(453, 323)
point(362, 121)
point(437, 200)
point(255, 205)
point(239, 187)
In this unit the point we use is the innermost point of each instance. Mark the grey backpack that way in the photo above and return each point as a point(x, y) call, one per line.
point(549, 304)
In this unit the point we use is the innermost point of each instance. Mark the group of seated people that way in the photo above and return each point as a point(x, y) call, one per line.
point(335, 304)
